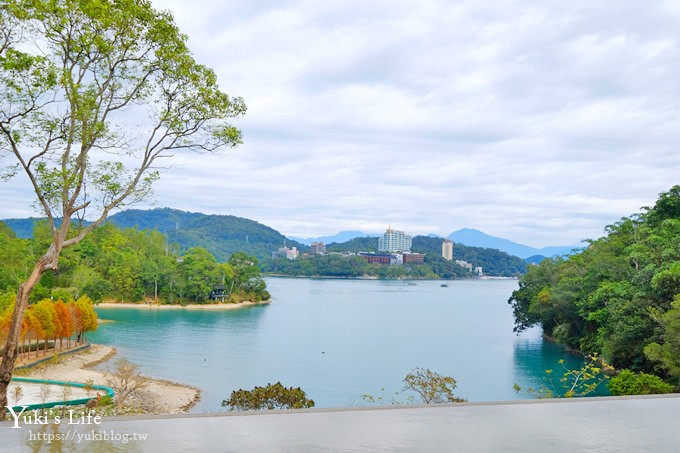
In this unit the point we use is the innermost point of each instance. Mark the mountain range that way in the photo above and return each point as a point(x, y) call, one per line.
point(222, 235)
point(476, 238)
point(465, 236)
point(342, 236)
point(225, 234)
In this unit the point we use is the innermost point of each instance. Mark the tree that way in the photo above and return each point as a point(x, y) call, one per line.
point(667, 354)
point(614, 298)
point(68, 69)
point(273, 396)
point(65, 322)
point(45, 314)
point(629, 383)
point(432, 387)
point(198, 274)
point(125, 380)
point(87, 318)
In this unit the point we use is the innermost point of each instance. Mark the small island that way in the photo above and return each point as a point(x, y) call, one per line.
point(142, 267)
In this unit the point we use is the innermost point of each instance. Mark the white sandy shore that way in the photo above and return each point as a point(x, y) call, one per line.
point(158, 397)
point(180, 307)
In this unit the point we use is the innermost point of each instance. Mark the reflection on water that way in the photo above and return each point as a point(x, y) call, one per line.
point(340, 339)
point(533, 355)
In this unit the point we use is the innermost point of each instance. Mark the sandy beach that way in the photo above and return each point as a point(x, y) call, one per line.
point(180, 307)
point(158, 397)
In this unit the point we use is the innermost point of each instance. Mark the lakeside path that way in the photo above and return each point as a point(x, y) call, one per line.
point(158, 397)
point(180, 307)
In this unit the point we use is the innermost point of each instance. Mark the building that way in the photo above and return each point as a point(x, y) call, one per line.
point(318, 248)
point(447, 249)
point(396, 259)
point(285, 252)
point(479, 271)
point(218, 293)
point(464, 264)
point(413, 258)
point(376, 258)
point(394, 241)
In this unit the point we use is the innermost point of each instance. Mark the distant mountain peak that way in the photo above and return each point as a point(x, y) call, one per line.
point(341, 236)
point(476, 238)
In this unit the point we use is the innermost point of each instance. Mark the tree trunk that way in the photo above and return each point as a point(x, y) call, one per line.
point(9, 356)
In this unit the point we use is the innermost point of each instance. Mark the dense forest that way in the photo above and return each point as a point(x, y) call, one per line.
point(128, 265)
point(221, 234)
point(620, 297)
point(494, 262)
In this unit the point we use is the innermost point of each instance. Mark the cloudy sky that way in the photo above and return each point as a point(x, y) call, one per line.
point(541, 121)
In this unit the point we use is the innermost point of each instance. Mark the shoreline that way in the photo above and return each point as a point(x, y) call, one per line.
point(368, 277)
point(393, 279)
point(158, 397)
point(217, 307)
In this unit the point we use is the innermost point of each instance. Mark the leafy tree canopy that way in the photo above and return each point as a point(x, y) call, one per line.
point(620, 297)
point(81, 81)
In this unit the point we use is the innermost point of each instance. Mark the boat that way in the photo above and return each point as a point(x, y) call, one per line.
point(444, 285)
point(411, 284)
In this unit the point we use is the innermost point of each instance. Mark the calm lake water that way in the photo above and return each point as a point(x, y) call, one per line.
point(339, 339)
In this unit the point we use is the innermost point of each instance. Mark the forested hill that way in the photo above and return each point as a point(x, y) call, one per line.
point(23, 228)
point(619, 298)
point(222, 235)
point(360, 244)
point(494, 262)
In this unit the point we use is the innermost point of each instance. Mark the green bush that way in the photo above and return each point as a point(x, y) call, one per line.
point(273, 396)
point(629, 383)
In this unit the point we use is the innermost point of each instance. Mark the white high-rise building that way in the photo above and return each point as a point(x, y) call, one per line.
point(447, 249)
point(394, 241)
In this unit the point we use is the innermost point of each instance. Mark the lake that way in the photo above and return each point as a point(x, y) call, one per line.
point(340, 339)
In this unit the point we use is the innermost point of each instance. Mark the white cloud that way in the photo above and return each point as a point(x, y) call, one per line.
point(540, 122)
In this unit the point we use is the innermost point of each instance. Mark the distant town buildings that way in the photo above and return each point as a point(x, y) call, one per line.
point(464, 264)
point(376, 258)
point(447, 249)
point(394, 241)
point(285, 252)
point(318, 248)
point(395, 259)
point(413, 258)
point(394, 248)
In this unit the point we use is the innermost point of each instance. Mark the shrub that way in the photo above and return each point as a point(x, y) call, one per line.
point(273, 396)
point(629, 383)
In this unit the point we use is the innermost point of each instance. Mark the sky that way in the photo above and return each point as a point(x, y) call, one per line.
point(537, 121)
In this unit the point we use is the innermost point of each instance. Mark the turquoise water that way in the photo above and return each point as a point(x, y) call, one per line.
point(339, 339)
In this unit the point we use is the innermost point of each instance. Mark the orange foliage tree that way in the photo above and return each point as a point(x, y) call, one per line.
point(51, 322)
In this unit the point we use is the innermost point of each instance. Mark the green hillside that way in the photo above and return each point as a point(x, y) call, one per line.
point(23, 228)
point(222, 235)
point(619, 297)
point(361, 244)
point(494, 262)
